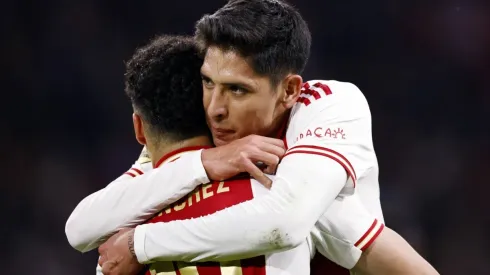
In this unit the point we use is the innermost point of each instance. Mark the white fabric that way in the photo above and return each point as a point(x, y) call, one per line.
point(336, 122)
point(281, 219)
point(334, 128)
point(129, 201)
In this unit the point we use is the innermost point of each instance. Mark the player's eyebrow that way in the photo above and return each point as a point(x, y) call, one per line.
point(239, 84)
point(203, 75)
point(235, 83)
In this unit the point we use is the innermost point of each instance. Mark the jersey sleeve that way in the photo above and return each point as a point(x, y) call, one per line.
point(142, 165)
point(131, 200)
point(319, 166)
point(137, 169)
point(333, 120)
point(345, 230)
point(279, 220)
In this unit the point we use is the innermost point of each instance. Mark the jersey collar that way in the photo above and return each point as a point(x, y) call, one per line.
point(174, 155)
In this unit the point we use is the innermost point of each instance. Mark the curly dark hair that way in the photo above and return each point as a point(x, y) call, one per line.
point(271, 34)
point(164, 84)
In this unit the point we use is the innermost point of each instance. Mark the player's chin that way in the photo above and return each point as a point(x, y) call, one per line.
point(220, 140)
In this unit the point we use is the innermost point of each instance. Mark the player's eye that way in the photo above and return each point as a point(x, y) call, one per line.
point(206, 81)
point(237, 90)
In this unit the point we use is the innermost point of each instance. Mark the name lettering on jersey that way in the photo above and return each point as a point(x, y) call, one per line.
point(314, 91)
point(203, 192)
point(321, 132)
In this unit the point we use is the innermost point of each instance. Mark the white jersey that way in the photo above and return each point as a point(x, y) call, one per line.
point(333, 119)
point(312, 196)
point(207, 199)
point(210, 198)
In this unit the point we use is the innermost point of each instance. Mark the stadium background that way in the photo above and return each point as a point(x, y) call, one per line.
point(67, 125)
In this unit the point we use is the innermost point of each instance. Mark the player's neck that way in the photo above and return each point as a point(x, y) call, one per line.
point(164, 148)
point(280, 125)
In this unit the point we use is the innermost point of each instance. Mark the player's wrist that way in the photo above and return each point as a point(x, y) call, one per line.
point(207, 162)
point(210, 163)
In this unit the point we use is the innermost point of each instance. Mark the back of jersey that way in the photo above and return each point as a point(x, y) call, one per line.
point(215, 196)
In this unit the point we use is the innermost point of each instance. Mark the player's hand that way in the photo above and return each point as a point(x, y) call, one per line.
point(116, 257)
point(253, 154)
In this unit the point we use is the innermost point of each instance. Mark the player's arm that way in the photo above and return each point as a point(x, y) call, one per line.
point(129, 201)
point(308, 181)
point(311, 175)
point(391, 254)
point(280, 220)
point(348, 235)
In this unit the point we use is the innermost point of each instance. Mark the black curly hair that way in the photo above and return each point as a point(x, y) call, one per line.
point(270, 34)
point(164, 84)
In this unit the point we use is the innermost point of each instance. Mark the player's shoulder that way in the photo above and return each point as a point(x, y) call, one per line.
point(332, 90)
point(337, 96)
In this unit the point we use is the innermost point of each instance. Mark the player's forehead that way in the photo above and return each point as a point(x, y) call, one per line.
point(226, 66)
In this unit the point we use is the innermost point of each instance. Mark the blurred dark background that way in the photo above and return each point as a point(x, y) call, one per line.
point(423, 65)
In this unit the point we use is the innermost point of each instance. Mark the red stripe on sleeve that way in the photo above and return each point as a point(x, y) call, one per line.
point(314, 93)
point(367, 233)
point(324, 87)
point(137, 170)
point(375, 236)
point(330, 151)
point(129, 174)
point(304, 100)
point(325, 155)
point(320, 151)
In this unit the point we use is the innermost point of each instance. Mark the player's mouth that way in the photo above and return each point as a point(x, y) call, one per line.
point(222, 134)
point(221, 131)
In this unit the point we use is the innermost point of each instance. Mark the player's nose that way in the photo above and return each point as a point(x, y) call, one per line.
point(217, 109)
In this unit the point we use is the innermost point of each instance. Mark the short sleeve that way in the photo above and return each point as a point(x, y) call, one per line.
point(345, 231)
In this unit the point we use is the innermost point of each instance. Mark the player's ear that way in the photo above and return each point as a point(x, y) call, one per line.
point(292, 86)
point(138, 129)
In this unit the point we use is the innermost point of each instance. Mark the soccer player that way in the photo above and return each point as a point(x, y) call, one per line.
point(255, 51)
point(164, 85)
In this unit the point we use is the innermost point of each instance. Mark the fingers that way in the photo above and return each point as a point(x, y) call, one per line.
point(261, 158)
point(256, 173)
point(244, 155)
point(267, 145)
point(266, 150)
point(270, 170)
point(271, 145)
point(272, 141)
point(265, 153)
point(272, 148)
point(265, 160)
